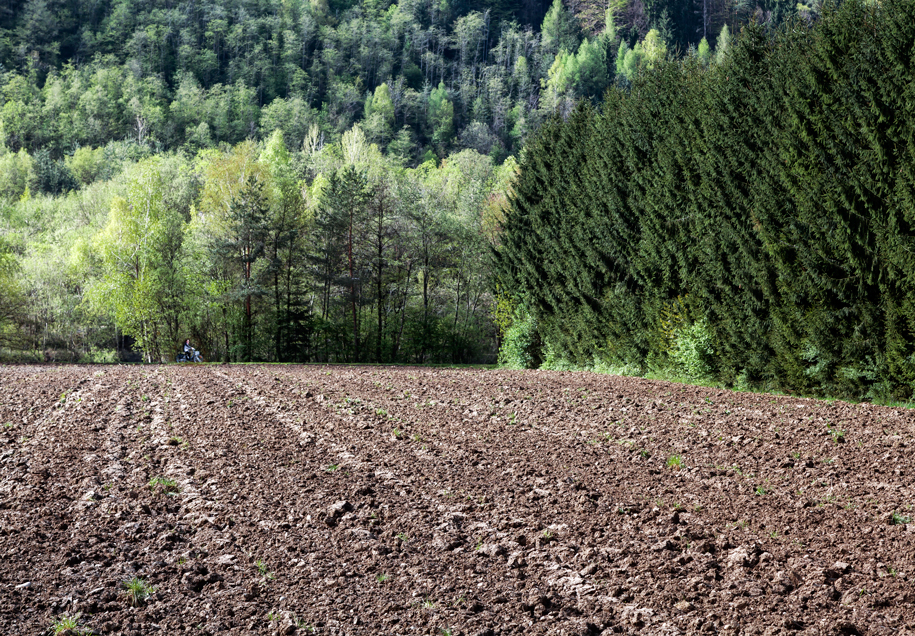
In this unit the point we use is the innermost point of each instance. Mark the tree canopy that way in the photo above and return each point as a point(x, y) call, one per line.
point(421, 76)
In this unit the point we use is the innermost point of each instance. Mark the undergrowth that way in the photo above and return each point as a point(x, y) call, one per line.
point(672, 373)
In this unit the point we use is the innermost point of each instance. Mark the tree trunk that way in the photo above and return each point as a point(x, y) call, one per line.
point(380, 301)
point(403, 313)
point(422, 353)
point(352, 280)
point(225, 331)
point(276, 303)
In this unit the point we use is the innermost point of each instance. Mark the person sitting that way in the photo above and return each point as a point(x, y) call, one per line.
point(189, 352)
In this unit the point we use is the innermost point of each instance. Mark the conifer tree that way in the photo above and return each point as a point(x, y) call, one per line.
point(722, 44)
point(560, 31)
point(339, 221)
point(244, 249)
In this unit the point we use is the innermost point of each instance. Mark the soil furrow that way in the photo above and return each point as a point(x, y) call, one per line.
point(365, 500)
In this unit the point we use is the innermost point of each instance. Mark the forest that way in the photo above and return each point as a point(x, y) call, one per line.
point(369, 261)
point(308, 181)
point(290, 181)
point(748, 221)
point(424, 77)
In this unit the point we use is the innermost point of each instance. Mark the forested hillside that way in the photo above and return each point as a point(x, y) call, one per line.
point(423, 76)
point(317, 180)
point(749, 221)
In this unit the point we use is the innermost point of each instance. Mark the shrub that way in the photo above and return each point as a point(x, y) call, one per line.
point(692, 351)
point(521, 345)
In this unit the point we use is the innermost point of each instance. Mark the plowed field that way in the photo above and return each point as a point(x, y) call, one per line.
point(371, 500)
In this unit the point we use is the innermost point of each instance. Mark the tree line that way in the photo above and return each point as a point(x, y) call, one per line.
point(749, 221)
point(298, 180)
point(256, 252)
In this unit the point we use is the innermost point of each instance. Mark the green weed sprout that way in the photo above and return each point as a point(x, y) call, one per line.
point(262, 568)
point(138, 591)
point(898, 519)
point(67, 624)
point(168, 486)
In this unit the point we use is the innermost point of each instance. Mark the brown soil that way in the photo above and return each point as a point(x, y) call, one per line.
point(369, 500)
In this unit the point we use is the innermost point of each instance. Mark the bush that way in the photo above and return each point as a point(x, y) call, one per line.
point(692, 351)
point(100, 356)
point(53, 176)
point(521, 344)
point(86, 164)
point(17, 173)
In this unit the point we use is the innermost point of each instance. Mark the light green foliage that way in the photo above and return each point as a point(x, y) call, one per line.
point(17, 174)
point(654, 49)
point(276, 157)
point(555, 360)
point(163, 485)
point(503, 311)
point(12, 299)
point(704, 52)
point(379, 115)
point(50, 239)
point(263, 570)
point(292, 116)
point(138, 591)
point(723, 45)
point(157, 247)
point(146, 105)
point(583, 74)
point(144, 279)
point(162, 77)
point(692, 350)
point(359, 153)
point(561, 75)
point(560, 30)
point(610, 21)
point(402, 147)
point(86, 164)
point(628, 65)
point(621, 52)
point(69, 625)
point(441, 115)
point(19, 115)
point(470, 32)
point(687, 342)
point(591, 67)
point(521, 343)
point(645, 54)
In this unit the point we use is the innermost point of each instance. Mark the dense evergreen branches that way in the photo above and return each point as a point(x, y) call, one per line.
point(758, 210)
